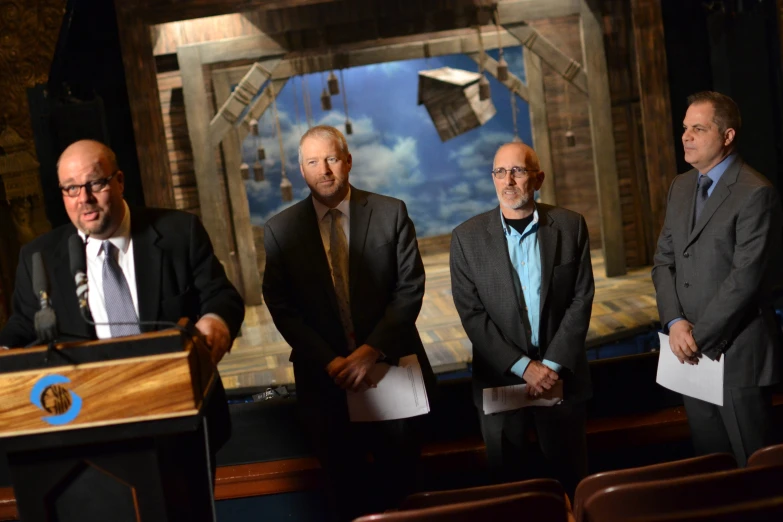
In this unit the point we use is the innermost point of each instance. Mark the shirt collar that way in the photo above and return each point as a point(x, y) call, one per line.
point(344, 206)
point(716, 172)
point(511, 231)
point(120, 239)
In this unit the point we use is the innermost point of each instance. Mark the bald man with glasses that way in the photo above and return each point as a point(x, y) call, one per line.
point(522, 283)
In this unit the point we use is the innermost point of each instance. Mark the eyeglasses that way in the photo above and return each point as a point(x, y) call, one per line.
point(517, 172)
point(93, 187)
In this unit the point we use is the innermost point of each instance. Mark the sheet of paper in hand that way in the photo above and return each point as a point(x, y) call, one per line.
point(399, 393)
point(701, 381)
point(505, 398)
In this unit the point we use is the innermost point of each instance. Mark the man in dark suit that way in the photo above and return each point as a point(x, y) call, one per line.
point(344, 283)
point(161, 263)
point(716, 269)
point(522, 283)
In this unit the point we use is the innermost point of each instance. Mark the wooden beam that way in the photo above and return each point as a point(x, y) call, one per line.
point(260, 106)
point(565, 66)
point(238, 100)
point(602, 135)
point(215, 210)
point(513, 11)
point(144, 101)
point(539, 124)
point(513, 84)
point(158, 12)
point(656, 108)
point(240, 209)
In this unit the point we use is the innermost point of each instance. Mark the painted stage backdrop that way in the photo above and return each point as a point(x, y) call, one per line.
point(396, 149)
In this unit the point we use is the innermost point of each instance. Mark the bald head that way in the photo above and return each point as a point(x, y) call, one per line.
point(90, 168)
point(516, 191)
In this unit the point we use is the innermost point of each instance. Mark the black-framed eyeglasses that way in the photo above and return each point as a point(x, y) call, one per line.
point(517, 172)
point(93, 187)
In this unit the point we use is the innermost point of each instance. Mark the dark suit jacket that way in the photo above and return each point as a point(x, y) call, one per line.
point(177, 275)
point(386, 278)
point(493, 315)
point(721, 273)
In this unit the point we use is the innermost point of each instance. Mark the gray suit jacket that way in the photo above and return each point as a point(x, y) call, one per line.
point(386, 278)
point(493, 316)
point(721, 273)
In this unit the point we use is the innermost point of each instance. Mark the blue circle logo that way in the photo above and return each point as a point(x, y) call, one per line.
point(49, 395)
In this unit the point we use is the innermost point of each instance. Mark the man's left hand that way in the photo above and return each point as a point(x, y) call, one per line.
point(352, 375)
point(217, 336)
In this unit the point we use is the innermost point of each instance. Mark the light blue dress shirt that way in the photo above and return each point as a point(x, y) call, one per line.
point(525, 256)
point(715, 173)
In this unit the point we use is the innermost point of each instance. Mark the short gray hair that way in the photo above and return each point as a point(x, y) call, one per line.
point(325, 132)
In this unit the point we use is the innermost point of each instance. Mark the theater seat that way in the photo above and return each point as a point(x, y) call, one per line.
point(452, 496)
point(543, 507)
point(769, 456)
point(757, 511)
point(679, 468)
point(678, 495)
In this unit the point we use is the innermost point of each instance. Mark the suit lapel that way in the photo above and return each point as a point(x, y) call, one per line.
point(719, 194)
point(147, 259)
point(360, 223)
point(547, 246)
point(314, 250)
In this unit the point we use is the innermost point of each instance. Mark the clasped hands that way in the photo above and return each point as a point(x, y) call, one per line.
point(539, 378)
point(682, 343)
point(351, 373)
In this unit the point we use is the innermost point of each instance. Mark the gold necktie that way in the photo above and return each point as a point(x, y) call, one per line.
point(338, 255)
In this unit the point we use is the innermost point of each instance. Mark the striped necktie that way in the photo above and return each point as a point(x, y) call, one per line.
point(117, 295)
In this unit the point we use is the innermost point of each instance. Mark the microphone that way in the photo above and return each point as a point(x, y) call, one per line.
point(78, 260)
point(45, 320)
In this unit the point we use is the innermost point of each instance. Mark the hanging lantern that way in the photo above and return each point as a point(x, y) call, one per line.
point(244, 168)
point(348, 127)
point(258, 171)
point(348, 124)
point(570, 138)
point(261, 153)
point(326, 101)
point(517, 139)
point(286, 189)
point(254, 127)
point(334, 85)
point(483, 88)
point(502, 69)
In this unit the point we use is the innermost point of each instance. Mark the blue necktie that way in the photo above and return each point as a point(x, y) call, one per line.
point(705, 182)
point(117, 296)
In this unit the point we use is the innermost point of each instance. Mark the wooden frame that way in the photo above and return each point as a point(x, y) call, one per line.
point(136, 17)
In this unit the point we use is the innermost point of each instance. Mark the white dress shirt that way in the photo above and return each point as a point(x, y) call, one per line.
point(95, 256)
point(325, 224)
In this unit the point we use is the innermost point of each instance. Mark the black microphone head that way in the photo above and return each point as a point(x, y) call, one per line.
point(39, 276)
point(76, 254)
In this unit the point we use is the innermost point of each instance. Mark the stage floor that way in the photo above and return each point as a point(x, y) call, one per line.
point(623, 307)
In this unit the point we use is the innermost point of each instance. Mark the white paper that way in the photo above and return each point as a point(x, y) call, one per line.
point(701, 381)
point(399, 393)
point(505, 398)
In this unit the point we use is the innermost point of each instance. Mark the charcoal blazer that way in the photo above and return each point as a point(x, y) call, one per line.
point(494, 316)
point(722, 272)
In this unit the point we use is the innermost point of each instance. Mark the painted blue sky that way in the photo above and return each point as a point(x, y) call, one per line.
point(396, 149)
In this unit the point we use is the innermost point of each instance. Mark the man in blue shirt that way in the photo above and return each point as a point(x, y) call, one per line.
point(522, 283)
point(717, 269)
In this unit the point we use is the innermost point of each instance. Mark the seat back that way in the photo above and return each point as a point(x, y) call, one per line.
point(671, 496)
point(679, 468)
point(452, 496)
point(769, 456)
point(528, 506)
point(756, 511)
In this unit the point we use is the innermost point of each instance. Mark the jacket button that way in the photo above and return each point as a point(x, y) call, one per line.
point(686, 254)
point(687, 284)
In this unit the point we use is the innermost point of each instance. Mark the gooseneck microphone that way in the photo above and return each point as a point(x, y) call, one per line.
point(78, 260)
point(45, 320)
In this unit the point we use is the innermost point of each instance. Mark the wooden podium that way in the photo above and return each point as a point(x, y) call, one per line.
point(111, 430)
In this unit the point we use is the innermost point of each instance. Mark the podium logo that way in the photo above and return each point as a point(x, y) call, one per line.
point(51, 396)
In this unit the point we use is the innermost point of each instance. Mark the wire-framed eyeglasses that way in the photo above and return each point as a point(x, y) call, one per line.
point(517, 172)
point(93, 187)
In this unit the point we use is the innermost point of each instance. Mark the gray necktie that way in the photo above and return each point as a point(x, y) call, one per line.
point(338, 255)
point(116, 295)
point(705, 182)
